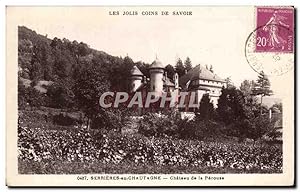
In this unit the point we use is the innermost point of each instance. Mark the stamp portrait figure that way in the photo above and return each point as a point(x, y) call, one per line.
point(275, 40)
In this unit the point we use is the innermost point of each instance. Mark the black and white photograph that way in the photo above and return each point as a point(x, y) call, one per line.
point(126, 95)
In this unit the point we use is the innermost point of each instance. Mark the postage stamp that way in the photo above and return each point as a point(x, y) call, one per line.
point(277, 29)
point(269, 48)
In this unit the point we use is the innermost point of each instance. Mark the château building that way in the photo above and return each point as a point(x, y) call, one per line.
point(198, 80)
point(201, 81)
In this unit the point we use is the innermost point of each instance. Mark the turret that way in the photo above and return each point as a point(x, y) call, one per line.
point(136, 79)
point(156, 77)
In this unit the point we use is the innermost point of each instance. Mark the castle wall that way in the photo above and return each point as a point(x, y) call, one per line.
point(214, 91)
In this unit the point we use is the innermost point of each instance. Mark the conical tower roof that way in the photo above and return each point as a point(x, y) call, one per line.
point(136, 72)
point(156, 64)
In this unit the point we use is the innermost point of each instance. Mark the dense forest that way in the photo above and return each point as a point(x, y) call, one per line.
point(52, 71)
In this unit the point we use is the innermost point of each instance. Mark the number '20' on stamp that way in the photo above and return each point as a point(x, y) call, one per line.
point(275, 29)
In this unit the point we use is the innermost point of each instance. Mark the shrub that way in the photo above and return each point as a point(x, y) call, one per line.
point(188, 129)
point(60, 95)
point(29, 96)
point(110, 119)
point(64, 120)
point(200, 129)
point(171, 124)
point(253, 128)
point(153, 124)
point(206, 108)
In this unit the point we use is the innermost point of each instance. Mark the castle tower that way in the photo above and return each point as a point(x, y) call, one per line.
point(136, 79)
point(156, 77)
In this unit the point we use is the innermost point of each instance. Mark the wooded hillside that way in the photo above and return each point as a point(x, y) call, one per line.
point(50, 69)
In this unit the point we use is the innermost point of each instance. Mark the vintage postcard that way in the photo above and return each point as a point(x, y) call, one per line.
point(150, 96)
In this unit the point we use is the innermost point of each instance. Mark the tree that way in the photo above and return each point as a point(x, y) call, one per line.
point(243, 119)
point(229, 83)
point(253, 128)
point(60, 68)
point(60, 95)
point(206, 108)
point(247, 87)
point(262, 87)
point(35, 71)
point(231, 105)
point(83, 49)
point(277, 108)
point(259, 126)
point(111, 119)
point(88, 88)
point(144, 67)
point(56, 43)
point(170, 71)
point(211, 69)
point(120, 79)
point(25, 52)
point(180, 68)
point(188, 64)
point(29, 96)
point(36, 66)
point(47, 62)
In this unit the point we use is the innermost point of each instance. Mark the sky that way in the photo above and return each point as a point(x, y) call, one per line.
point(210, 36)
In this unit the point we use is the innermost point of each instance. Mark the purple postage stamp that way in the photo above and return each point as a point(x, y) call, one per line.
point(276, 32)
point(270, 47)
